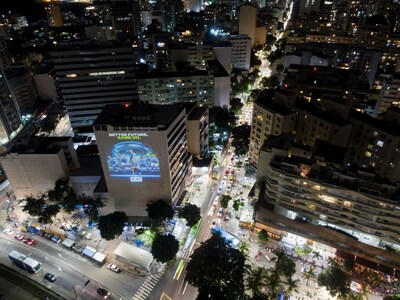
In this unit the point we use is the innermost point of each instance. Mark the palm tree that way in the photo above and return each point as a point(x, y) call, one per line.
point(308, 274)
point(274, 282)
point(291, 286)
point(256, 279)
point(332, 262)
point(243, 247)
point(316, 255)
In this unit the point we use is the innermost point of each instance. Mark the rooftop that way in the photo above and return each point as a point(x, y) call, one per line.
point(139, 115)
point(39, 145)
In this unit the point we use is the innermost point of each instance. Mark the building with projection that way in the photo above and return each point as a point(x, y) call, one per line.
point(144, 155)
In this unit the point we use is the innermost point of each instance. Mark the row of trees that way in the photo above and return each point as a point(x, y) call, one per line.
point(47, 205)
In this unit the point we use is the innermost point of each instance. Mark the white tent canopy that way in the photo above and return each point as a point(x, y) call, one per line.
point(133, 255)
point(68, 243)
point(89, 251)
point(99, 257)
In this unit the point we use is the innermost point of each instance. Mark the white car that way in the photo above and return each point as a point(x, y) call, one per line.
point(114, 268)
point(8, 231)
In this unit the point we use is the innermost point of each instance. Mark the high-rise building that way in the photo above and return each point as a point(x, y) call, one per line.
point(269, 119)
point(375, 143)
point(172, 87)
point(90, 79)
point(389, 94)
point(197, 129)
point(248, 21)
point(10, 114)
point(241, 51)
point(143, 151)
point(54, 16)
point(171, 14)
point(125, 18)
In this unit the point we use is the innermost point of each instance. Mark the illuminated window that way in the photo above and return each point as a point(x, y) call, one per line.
point(70, 75)
point(368, 154)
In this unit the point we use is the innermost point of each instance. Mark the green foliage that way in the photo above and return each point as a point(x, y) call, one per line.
point(349, 264)
point(335, 280)
point(112, 225)
point(284, 265)
point(254, 61)
point(269, 82)
point(263, 235)
point(237, 204)
point(48, 213)
point(159, 210)
point(243, 247)
point(308, 274)
point(389, 248)
point(224, 200)
point(303, 251)
point(216, 270)
point(241, 139)
point(164, 247)
point(191, 213)
point(236, 104)
point(256, 279)
point(147, 237)
point(49, 124)
point(34, 206)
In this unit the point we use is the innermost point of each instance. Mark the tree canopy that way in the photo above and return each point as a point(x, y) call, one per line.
point(224, 200)
point(191, 213)
point(112, 225)
point(164, 247)
point(336, 281)
point(159, 210)
point(241, 139)
point(217, 270)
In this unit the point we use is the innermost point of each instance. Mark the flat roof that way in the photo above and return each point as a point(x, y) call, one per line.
point(134, 255)
point(139, 115)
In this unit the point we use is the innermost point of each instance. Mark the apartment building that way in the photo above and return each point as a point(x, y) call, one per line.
point(269, 119)
point(172, 87)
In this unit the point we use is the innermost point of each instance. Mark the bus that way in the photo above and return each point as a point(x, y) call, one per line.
point(25, 262)
point(230, 240)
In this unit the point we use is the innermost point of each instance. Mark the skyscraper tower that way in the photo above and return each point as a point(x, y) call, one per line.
point(10, 116)
point(248, 21)
point(171, 12)
point(125, 17)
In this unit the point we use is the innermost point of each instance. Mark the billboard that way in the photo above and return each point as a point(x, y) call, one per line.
point(131, 157)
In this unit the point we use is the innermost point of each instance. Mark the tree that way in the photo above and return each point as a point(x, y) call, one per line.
point(236, 104)
point(241, 139)
point(216, 270)
point(316, 255)
point(349, 263)
point(256, 279)
point(224, 200)
point(34, 206)
point(191, 213)
point(237, 204)
point(159, 211)
point(308, 274)
point(284, 265)
point(269, 82)
point(335, 280)
point(48, 213)
point(243, 247)
point(263, 235)
point(280, 68)
point(164, 247)
point(112, 225)
point(291, 286)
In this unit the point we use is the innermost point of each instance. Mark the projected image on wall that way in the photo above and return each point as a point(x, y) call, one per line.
point(133, 159)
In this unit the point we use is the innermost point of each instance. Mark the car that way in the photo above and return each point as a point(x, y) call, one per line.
point(50, 277)
point(56, 239)
point(8, 231)
point(114, 268)
point(48, 235)
point(216, 201)
point(28, 241)
point(227, 172)
point(19, 237)
point(219, 191)
point(103, 292)
point(227, 217)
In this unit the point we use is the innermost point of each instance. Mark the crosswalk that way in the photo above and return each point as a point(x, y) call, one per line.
point(253, 251)
point(147, 286)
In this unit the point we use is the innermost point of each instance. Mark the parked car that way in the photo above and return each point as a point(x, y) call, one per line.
point(8, 231)
point(103, 292)
point(19, 237)
point(48, 235)
point(50, 277)
point(56, 239)
point(114, 268)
